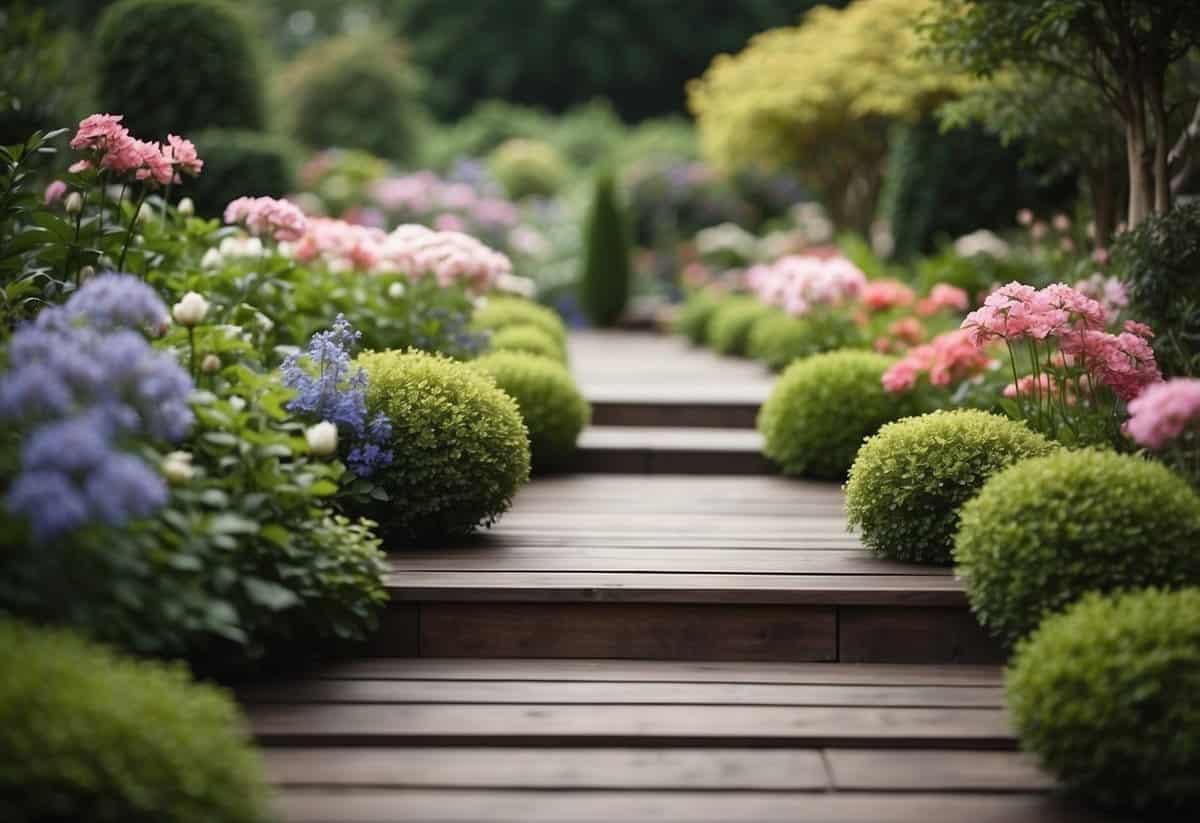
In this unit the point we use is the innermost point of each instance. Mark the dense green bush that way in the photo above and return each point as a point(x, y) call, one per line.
point(488, 124)
point(607, 269)
point(241, 163)
point(777, 339)
point(179, 66)
point(821, 410)
point(528, 168)
point(552, 406)
point(1158, 261)
point(88, 735)
point(909, 481)
point(461, 449)
point(1107, 695)
point(355, 92)
point(501, 312)
point(730, 325)
point(526, 338)
point(692, 318)
point(1046, 531)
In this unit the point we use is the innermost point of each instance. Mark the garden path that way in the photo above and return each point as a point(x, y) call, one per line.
point(669, 633)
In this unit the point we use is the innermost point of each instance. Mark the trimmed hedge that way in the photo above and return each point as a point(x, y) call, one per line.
point(528, 168)
point(500, 312)
point(692, 318)
point(528, 339)
point(777, 339)
point(607, 276)
point(729, 327)
point(241, 163)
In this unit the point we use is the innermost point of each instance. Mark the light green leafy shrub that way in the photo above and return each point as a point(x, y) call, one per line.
point(529, 339)
point(552, 406)
point(500, 312)
point(777, 339)
point(691, 319)
point(528, 168)
point(909, 481)
point(729, 327)
point(1046, 531)
point(821, 410)
point(88, 735)
point(461, 448)
point(1107, 695)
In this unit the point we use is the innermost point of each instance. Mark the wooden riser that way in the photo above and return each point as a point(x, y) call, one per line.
point(650, 450)
point(712, 415)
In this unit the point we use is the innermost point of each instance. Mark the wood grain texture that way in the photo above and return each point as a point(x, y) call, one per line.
point(926, 635)
point(936, 770)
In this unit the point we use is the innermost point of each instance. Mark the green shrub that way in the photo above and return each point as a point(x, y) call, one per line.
point(88, 735)
point(607, 269)
point(730, 325)
point(821, 410)
point(461, 449)
point(909, 481)
point(692, 318)
point(552, 406)
point(1046, 531)
point(500, 312)
point(777, 339)
point(528, 168)
point(241, 163)
point(529, 339)
point(1107, 695)
point(355, 92)
point(179, 66)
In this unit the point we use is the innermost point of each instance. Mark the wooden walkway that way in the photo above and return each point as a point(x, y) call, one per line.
point(657, 639)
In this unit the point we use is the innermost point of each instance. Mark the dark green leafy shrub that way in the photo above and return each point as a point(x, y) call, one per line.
point(691, 320)
point(88, 735)
point(1159, 261)
point(730, 325)
point(461, 448)
point(552, 406)
point(179, 66)
point(909, 481)
point(821, 410)
point(238, 163)
point(777, 339)
point(529, 339)
point(607, 270)
point(528, 168)
point(1107, 695)
point(1046, 531)
point(500, 312)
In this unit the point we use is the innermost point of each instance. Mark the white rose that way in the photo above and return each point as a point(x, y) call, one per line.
point(210, 364)
point(177, 467)
point(396, 290)
point(212, 259)
point(186, 207)
point(190, 310)
point(322, 438)
point(74, 203)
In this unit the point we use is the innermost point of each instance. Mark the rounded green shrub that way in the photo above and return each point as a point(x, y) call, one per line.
point(823, 407)
point(528, 168)
point(1107, 695)
point(777, 339)
point(461, 448)
point(241, 163)
point(729, 327)
point(1045, 531)
point(500, 312)
point(529, 339)
point(179, 66)
point(909, 481)
point(691, 320)
point(88, 735)
point(552, 406)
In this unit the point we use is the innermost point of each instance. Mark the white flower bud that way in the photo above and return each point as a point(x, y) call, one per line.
point(190, 310)
point(265, 324)
point(237, 403)
point(210, 364)
point(322, 438)
point(144, 213)
point(396, 290)
point(186, 207)
point(177, 467)
point(86, 273)
point(212, 259)
point(74, 203)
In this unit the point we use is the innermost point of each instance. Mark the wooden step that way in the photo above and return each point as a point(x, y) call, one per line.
point(657, 450)
point(646, 406)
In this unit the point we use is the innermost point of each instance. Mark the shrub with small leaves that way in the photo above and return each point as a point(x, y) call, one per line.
point(88, 735)
point(500, 312)
point(460, 448)
point(238, 163)
point(691, 320)
point(551, 404)
point(909, 481)
point(821, 410)
point(528, 168)
point(729, 327)
point(778, 339)
point(528, 339)
point(1045, 531)
point(1107, 695)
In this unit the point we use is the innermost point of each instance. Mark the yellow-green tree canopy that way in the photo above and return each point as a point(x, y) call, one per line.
point(818, 97)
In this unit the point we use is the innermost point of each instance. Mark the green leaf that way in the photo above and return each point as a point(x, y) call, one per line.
point(271, 595)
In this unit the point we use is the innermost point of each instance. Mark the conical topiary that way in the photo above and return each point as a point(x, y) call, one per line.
point(606, 267)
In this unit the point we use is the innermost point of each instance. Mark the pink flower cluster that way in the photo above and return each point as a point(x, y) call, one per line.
point(1164, 411)
point(1041, 385)
point(110, 146)
point(1108, 291)
point(797, 283)
point(1124, 362)
point(263, 216)
point(948, 358)
point(881, 295)
point(943, 297)
point(425, 196)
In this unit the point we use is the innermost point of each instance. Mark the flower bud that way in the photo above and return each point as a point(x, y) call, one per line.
point(73, 203)
point(210, 364)
point(396, 290)
point(186, 207)
point(237, 403)
point(190, 310)
point(322, 438)
point(86, 273)
point(177, 467)
point(211, 259)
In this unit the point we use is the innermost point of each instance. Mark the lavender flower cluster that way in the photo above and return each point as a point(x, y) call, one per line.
point(328, 387)
point(84, 384)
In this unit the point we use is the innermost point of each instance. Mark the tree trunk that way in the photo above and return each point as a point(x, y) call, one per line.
point(1103, 191)
point(1162, 146)
point(1141, 187)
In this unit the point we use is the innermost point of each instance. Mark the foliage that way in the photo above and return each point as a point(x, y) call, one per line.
point(528, 168)
point(240, 163)
point(1107, 695)
point(88, 735)
point(910, 480)
point(693, 316)
point(1046, 531)
point(1158, 262)
point(821, 410)
point(730, 325)
point(488, 125)
point(606, 277)
point(179, 66)
point(528, 339)
point(498, 313)
point(778, 339)
point(355, 92)
point(36, 90)
point(461, 448)
point(551, 405)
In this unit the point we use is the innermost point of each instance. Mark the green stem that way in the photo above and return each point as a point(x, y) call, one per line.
point(192, 351)
point(75, 242)
point(137, 208)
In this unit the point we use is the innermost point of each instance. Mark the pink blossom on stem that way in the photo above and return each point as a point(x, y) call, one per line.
point(55, 192)
point(1164, 411)
point(182, 155)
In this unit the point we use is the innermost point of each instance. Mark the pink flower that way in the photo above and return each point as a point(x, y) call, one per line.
point(122, 155)
point(908, 330)
point(886, 294)
point(55, 192)
point(948, 358)
point(449, 222)
point(943, 297)
point(98, 131)
point(1140, 329)
point(1031, 386)
point(1163, 411)
point(182, 154)
point(156, 166)
point(79, 166)
point(262, 216)
point(1025, 217)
